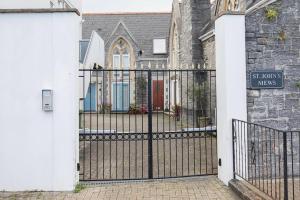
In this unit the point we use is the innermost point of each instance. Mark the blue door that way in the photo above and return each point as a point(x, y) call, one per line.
point(90, 99)
point(120, 96)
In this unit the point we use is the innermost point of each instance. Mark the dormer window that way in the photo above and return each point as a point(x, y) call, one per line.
point(159, 46)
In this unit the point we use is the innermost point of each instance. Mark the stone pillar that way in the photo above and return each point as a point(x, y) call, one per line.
point(231, 85)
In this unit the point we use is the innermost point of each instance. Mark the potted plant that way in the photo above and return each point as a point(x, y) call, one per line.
point(133, 109)
point(143, 109)
point(199, 94)
point(176, 112)
point(81, 112)
point(105, 108)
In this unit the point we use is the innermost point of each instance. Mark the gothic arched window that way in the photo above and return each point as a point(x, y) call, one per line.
point(121, 55)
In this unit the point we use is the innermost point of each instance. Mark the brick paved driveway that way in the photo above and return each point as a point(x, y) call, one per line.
point(122, 122)
point(128, 159)
point(206, 188)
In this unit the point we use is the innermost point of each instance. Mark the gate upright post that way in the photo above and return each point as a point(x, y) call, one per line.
point(231, 92)
point(285, 167)
point(233, 147)
point(150, 136)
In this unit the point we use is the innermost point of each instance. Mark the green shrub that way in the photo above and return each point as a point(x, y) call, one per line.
point(134, 109)
point(79, 187)
point(104, 108)
point(282, 35)
point(271, 13)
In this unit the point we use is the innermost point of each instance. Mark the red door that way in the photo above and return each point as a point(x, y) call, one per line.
point(158, 95)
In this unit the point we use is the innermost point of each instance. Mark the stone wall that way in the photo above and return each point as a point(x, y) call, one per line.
point(186, 34)
point(209, 57)
point(195, 14)
point(209, 53)
point(274, 44)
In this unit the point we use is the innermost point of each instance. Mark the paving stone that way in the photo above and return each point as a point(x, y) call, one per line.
point(206, 188)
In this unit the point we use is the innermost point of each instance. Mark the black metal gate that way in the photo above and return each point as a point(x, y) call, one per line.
point(124, 137)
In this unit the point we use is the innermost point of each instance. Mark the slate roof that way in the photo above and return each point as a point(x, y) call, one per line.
point(144, 27)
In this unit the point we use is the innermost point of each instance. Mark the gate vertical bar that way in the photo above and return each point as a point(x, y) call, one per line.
point(233, 147)
point(150, 136)
point(285, 166)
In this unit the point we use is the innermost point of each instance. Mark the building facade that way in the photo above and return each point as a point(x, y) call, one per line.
point(132, 41)
point(185, 39)
point(271, 44)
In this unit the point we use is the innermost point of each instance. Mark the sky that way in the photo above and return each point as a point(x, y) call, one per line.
point(107, 6)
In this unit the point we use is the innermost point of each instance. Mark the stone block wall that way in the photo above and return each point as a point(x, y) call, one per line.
point(209, 53)
point(275, 44)
point(186, 34)
point(265, 151)
point(195, 14)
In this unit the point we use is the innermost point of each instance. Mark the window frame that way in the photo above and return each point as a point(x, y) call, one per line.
point(119, 59)
point(165, 47)
point(128, 56)
point(123, 65)
point(82, 57)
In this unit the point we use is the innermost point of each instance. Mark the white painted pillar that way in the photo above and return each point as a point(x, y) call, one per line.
point(39, 150)
point(231, 85)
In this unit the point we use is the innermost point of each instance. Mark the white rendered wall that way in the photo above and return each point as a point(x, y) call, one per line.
point(95, 54)
point(23, 4)
point(231, 85)
point(38, 150)
point(29, 4)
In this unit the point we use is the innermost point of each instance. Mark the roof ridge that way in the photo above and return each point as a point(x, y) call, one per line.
point(125, 13)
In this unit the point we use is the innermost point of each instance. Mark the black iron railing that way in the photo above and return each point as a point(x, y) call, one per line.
point(267, 158)
point(141, 124)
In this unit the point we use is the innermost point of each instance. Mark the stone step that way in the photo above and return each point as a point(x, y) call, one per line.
point(247, 192)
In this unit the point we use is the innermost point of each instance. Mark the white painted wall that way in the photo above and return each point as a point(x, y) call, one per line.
point(38, 150)
point(26, 4)
point(18, 4)
point(231, 85)
point(95, 54)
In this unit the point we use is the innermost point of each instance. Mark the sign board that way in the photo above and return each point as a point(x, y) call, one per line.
point(271, 79)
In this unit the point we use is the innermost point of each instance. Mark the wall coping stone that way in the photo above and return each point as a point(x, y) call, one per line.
point(207, 35)
point(259, 5)
point(229, 13)
point(40, 10)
